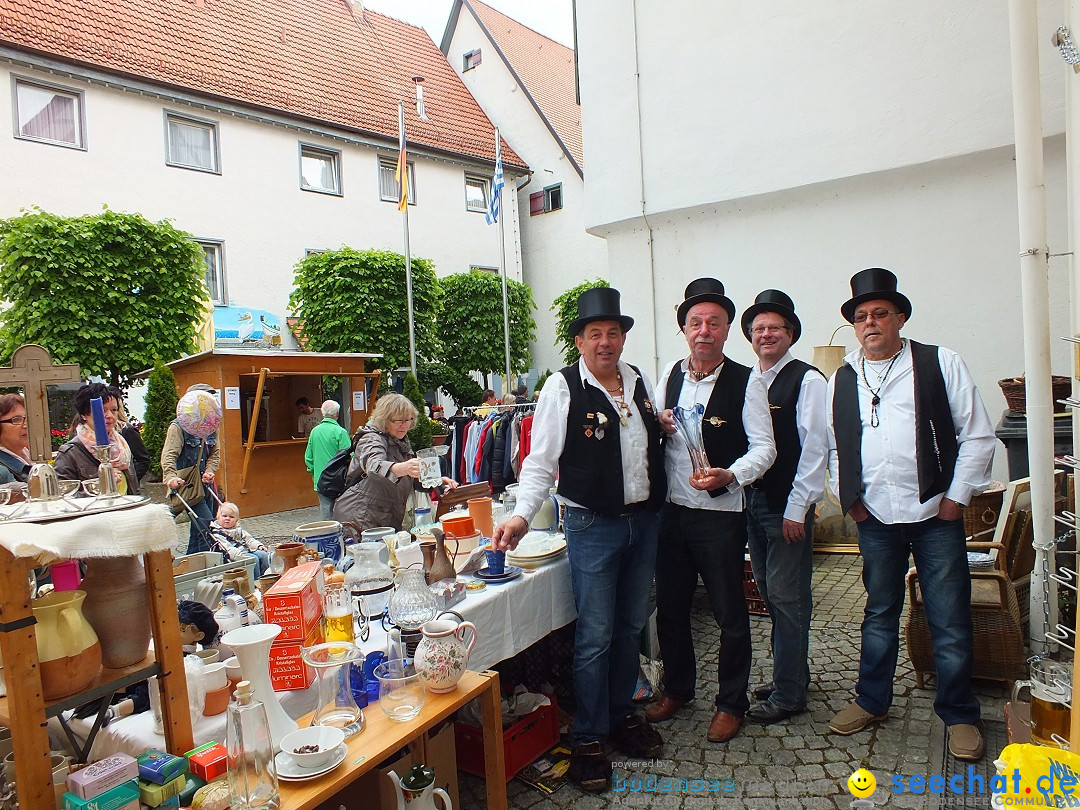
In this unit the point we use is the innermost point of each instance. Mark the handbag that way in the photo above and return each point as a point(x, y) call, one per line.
point(331, 481)
point(191, 490)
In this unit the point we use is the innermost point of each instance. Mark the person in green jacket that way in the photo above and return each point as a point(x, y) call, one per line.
point(325, 439)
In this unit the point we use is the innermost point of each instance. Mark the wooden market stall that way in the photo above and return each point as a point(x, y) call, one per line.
point(262, 459)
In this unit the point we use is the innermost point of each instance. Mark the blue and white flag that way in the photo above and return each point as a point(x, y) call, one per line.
point(492, 214)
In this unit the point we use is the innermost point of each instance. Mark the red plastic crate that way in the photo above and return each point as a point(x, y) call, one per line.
point(523, 742)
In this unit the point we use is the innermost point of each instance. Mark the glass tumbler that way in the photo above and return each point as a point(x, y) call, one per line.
point(401, 693)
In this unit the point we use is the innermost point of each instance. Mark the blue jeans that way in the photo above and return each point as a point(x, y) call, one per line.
point(262, 561)
point(712, 544)
point(783, 572)
point(940, 553)
point(197, 533)
point(326, 506)
point(612, 560)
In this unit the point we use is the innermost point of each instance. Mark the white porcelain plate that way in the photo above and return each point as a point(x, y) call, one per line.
point(288, 770)
point(532, 563)
point(539, 544)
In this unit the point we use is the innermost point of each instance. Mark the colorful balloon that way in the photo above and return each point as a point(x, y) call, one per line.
point(198, 413)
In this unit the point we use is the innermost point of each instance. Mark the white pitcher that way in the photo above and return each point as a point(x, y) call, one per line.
point(442, 656)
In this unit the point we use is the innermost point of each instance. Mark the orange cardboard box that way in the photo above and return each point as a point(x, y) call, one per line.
point(295, 602)
point(287, 668)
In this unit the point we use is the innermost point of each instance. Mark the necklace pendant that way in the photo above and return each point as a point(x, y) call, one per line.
point(622, 421)
point(876, 400)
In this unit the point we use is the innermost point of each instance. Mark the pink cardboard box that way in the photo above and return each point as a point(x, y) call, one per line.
point(105, 774)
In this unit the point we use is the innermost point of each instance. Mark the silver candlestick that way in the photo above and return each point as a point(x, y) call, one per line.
point(106, 477)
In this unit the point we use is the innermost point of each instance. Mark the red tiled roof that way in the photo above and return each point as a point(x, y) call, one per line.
point(545, 67)
point(309, 59)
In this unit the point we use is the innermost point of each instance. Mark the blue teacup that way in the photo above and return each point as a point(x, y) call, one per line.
point(496, 561)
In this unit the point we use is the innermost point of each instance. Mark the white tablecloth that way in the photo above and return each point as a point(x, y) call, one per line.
point(509, 618)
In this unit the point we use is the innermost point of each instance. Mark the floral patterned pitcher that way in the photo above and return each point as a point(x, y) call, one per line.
point(442, 656)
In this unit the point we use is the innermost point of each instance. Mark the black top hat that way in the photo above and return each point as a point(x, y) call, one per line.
point(870, 285)
point(599, 304)
point(772, 301)
point(705, 289)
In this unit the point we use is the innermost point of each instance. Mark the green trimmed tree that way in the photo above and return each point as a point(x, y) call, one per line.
point(473, 313)
point(112, 292)
point(352, 300)
point(565, 308)
point(160, 411)
point(420, 435)
point(458, 384)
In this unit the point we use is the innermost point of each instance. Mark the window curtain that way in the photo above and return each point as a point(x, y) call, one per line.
point(190, 145)
point(55, 121)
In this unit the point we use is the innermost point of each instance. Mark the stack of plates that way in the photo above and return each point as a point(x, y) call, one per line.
point(979, 561)
point(537, 549)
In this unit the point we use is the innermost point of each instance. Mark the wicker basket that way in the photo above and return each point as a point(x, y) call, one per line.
point(1016, 396)
point(983, 511)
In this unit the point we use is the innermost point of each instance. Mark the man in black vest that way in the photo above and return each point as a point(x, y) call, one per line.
point(703, 527)
point(780, 504)
point(596, 426)
point(909, 444)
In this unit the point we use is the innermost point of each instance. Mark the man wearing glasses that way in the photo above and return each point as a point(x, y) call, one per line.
point(909, 444)
point(780, 504)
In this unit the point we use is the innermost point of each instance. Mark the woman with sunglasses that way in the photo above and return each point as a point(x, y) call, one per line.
point(14, 440)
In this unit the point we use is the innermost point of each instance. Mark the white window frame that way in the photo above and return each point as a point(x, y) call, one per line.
point(200, 123)
point(485, 187)
point(467, 61)
point(485, 269)
point(311, 150)
point(386, 163)
point(77, 96)
point(219, 289)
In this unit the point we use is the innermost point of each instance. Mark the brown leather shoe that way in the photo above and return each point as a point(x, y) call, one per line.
point(723, 727)
point(663, 709)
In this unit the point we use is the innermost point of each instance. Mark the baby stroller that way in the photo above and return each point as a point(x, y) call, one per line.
point(201, 524)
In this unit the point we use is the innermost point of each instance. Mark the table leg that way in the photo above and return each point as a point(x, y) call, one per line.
point(494, 764)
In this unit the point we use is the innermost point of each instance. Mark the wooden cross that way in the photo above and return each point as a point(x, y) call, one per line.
point(32, 370)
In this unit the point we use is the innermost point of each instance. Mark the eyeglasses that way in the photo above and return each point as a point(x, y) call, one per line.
point(404, 421)
point(14, 420)
point(877, 315)
point(761, 330)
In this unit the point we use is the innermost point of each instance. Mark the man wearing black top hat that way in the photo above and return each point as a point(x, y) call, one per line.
point(909, 444)
point(596, 426)
point(703, 526)
point(780, 504)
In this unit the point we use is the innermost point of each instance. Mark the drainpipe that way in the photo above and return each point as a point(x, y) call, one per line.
point(644, 217)
point(1034, 289)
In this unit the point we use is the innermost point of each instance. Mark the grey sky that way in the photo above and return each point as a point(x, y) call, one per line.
point(552, 18)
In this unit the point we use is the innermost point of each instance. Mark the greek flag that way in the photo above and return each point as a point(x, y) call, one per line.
point(492, 214)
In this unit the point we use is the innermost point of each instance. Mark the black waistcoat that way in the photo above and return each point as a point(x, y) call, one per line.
point(936, 447)
point(783, 399)
point(590, 468)
point(722, 428)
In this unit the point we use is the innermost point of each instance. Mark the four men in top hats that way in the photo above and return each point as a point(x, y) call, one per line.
point(703, 525)
point(780, 504)
point(596, 427)
point(909, 444)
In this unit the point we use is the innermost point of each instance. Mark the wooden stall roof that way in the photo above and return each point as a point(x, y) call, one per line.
point(265, 353)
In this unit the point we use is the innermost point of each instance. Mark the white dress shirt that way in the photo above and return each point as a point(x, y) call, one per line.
point(757, 422)
point(540, 467)
point(809, 485)
point(889, 471)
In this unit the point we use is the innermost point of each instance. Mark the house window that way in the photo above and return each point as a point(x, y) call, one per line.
point(191, 143)
point(49, 114)
point(472, 59)
point(476, 193)
point(214, 252)
point(550, 199)
point(320, 169)
point(483, 269)
point(388, 185)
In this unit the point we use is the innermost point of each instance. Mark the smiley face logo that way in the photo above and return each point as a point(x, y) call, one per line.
point(861, 784)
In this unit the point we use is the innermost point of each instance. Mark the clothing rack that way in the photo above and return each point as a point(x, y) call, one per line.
point(470, 410)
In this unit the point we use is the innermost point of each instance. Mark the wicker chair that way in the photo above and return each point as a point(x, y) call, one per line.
point(998, 635)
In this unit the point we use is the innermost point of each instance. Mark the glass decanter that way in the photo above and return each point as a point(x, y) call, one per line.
point(332, 661)
point(369, 580)
point(413, 603)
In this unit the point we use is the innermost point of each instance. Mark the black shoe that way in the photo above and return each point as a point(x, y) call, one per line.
point(764, 692)
point(590, 768)
point(636, 738)
point(768, 713)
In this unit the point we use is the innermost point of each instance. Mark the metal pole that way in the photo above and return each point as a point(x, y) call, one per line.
point(408, 256)
point(505, 302)
point(1034, 289)
point(1072, 162)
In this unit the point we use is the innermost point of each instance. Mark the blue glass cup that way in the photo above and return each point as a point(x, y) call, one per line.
point(496, 561)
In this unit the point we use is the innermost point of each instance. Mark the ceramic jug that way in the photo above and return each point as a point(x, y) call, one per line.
point(437, 562)
point(68, 647)
point(442, 656)
point(416, 790)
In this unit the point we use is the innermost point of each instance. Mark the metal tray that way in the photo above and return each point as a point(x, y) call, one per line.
point(67, 508)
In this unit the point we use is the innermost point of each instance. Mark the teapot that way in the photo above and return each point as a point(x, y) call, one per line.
point(416, 790)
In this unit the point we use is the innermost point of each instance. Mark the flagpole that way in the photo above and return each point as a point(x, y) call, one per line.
point(502, 255)
point(403, 191)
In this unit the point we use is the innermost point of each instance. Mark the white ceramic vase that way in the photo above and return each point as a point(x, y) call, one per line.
point(442, 656)
point(251, 646)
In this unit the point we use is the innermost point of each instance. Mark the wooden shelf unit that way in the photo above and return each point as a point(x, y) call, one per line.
point(25, 710)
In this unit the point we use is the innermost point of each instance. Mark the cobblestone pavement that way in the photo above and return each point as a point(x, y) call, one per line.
point(795, 764)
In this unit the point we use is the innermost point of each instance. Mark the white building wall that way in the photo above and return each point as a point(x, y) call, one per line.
point(791, 145)
point(557, 253)
point(256, 205)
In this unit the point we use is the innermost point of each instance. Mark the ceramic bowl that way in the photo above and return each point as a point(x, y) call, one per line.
point(214, 676)
point(208, 656)
point(328, 738)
